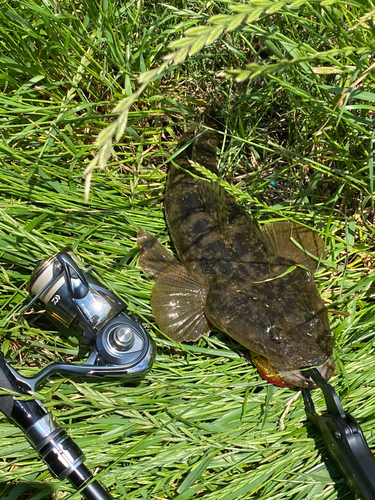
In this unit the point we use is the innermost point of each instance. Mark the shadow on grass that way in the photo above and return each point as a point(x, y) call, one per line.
point(28, 489)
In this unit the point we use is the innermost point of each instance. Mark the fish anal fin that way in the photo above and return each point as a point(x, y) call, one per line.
point(177, 302)
point(295, 242)
point(155, 260)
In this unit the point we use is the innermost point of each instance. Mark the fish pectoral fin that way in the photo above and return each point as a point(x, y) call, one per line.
point(295, 242)
point(177, 302)
point(155, 260)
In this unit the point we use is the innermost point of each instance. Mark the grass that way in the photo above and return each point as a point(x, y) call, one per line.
point(298, 146)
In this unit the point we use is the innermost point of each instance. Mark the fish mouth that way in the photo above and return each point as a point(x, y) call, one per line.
point(293, 379)
point(299, 379)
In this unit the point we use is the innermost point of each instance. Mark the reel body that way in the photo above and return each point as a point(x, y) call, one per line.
point(74, 299)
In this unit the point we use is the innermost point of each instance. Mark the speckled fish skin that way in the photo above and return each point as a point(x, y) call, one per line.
point(282, 319)
point(205, 251)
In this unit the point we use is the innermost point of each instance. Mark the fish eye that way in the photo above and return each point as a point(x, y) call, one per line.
point(276, 334)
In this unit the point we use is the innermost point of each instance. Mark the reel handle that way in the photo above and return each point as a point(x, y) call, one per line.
point(87, 369)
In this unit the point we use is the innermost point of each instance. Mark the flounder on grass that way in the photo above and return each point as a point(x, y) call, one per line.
point(253, 284)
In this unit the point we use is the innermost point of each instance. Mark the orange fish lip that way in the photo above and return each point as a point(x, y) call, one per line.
point(292, 379)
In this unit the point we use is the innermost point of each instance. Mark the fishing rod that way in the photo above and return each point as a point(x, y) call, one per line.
point(120, 347)
point(61, 454)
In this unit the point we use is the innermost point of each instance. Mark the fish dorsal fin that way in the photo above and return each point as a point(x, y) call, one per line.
point(155, 260)
point(177, 302)
point(283, 236)
point(213, 197)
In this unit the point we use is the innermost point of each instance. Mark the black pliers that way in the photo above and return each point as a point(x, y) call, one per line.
point(343, 439)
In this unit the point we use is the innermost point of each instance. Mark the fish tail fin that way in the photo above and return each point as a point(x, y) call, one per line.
point(213, 118)
point(200, 142)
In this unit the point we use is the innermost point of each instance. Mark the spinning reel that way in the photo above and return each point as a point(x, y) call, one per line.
point(120, 347)
point(76, 300)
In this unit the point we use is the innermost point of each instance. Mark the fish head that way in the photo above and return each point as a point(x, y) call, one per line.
point(282, 320)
